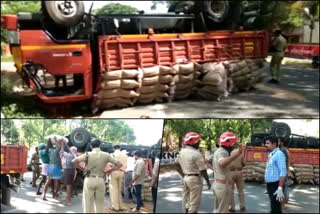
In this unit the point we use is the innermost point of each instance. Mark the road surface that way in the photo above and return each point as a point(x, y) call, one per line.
point(26, 201)
point(303, 198)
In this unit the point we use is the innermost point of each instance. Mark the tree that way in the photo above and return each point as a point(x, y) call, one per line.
point(9, 132)
point(116, 8)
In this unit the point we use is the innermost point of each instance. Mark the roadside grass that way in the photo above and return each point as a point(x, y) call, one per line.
point(6, 59)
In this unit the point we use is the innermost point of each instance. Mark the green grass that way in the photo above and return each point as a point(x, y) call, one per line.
point(6, 59)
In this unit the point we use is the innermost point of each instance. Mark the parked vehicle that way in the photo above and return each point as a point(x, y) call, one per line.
point(13, 163)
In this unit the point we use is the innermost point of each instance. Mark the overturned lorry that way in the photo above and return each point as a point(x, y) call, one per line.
point(122, 60)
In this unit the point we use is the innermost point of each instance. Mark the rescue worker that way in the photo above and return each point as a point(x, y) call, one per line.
point(236, 178)
point(94, 186)
point(221, 161)
point(117, 179)
point(279, 44)
point(191, 166)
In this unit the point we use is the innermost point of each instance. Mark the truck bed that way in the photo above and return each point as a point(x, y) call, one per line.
point(13, 159)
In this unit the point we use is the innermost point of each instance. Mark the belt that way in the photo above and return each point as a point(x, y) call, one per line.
point(192, 174)
point(235, 169)
point(94, 176)
point(220, 181)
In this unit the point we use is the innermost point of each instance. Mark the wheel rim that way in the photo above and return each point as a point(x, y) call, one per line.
point(78, 137)
point(217, 8)
point(66, 8)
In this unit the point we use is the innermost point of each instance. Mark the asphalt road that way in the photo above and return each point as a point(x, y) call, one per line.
point(297, 96)
point(303, 198)
point(26, 201)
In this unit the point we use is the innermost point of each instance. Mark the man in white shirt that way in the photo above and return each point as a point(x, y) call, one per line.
point(128, 178)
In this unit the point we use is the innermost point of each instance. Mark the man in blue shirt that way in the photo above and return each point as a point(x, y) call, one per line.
point(275, 173)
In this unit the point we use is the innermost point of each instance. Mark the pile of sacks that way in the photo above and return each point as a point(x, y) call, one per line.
point(212, 83)
point(303, 173)
point(245, 74)
point(316, 173)
point(119, 89)
point(184, 81)
point(157, 83)
point(254, 171)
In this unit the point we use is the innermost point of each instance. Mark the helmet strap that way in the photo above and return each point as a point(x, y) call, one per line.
point(228, 149)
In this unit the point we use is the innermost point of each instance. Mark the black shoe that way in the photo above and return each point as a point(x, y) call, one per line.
point(39, 193)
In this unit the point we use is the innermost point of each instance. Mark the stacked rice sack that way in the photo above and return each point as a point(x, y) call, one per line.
point(254, 171)
point(303, 173)
point(146, 192)
point(316, 173)
point(156, 84)
point(212, 83)
point(119, 89)
point(245, 74)
point(185, 79)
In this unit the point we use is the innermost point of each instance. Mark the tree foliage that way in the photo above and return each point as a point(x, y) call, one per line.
point(211, 129)
point(116, 8)
point(14, 7)
point(31, 132)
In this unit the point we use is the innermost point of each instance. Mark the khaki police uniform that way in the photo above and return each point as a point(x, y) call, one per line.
point(36, 168)
point(94, 186)
point(236, 178)
point(117, 179)
point(192, 163)
point(280, 45)
point(221, 189)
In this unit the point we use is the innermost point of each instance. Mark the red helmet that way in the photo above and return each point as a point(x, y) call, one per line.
point(191, 138)
point(227, 139)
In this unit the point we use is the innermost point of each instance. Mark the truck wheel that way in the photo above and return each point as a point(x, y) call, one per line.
point(79, 137)
point(65, 13)
point(281, 130)
point(6, 196)
point(217, 11)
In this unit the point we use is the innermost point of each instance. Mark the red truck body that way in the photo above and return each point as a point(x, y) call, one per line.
point(297, 156)
point(13, 159)
point(302, 50)
point(130, 51)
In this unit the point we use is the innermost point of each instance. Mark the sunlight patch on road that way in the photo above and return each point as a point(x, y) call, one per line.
point(173, 198)
point(282, 94)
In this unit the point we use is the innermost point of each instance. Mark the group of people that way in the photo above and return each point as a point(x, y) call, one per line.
point(57, 168)
point(125, 170)
point(227, 162)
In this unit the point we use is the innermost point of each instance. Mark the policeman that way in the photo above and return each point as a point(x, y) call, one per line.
point(190, 165)
point(94, 186)
point(220, 161)
point(236, 178)
point(117, 179)
point(279, 44)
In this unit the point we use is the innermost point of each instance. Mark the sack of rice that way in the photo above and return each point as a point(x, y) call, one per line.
point(151, 72)
point(146, 81)
point(112, 75)
point(112, 84)
point(129, 84)
point(130, 74)
point(165, 79)
point(146, 101)
point(186, 69)
point(302, 166)
point(186, 78)
point(165, 70)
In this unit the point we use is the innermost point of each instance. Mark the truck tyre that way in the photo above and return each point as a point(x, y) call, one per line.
point(65, 13)
point(217, 11)
point(281, 130)
point(6, 196)
point(80, 137)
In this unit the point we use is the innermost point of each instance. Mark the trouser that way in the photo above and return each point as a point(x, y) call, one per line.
point(192, 189)
point(221, 192)
point(93, 195)
point(115, 189)
point(154, 198)
point(275, 67)
point(237, 179)
point(275, 204)
point(35, 175)
point(286, 189)
point(137, 192)
point(127, 189)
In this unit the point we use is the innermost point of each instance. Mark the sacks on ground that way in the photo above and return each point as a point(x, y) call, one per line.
point(117, 84)
point(114, 93)
point(151, 71)
point(259, 169)
point(186, 69)
point(165, 70)
point(154, 88)
point(165, 79)
point(146, 81)
point(115, 102)
point(302, 166)
point(153, 95)
point(121, 74)
point(303, 170)
point(304, 174)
